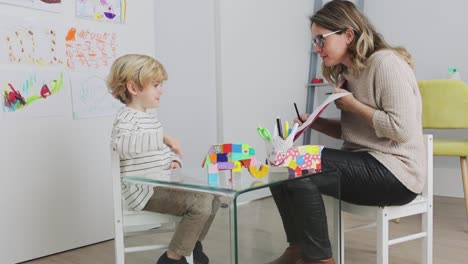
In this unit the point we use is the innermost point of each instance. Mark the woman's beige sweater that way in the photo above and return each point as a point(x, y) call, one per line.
point(388, 85)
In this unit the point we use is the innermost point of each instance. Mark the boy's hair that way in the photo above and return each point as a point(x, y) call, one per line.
point(140, 69)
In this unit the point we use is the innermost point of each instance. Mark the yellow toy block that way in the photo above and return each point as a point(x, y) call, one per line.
point(259, 173)
point(237, 166)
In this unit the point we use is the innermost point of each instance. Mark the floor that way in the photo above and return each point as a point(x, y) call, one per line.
point(262, 239)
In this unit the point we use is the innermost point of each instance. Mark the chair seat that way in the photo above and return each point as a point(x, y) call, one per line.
point(143, 220)
point(451, 147)
point(369, 211)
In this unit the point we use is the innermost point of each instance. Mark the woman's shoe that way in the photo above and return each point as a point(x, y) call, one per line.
point(289, 256)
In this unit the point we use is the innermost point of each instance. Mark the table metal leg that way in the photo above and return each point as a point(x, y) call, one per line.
point(233, 233)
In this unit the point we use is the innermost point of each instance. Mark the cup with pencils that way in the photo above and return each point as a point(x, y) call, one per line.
point(281, 140)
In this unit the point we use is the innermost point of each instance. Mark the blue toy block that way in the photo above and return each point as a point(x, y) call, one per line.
point(213, 179)
point(222, 157)
point(300, 160)
point(236, 148)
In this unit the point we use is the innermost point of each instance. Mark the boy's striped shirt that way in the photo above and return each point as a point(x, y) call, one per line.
point(139, 139)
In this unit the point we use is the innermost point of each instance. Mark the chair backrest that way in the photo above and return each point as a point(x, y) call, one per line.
point(116, 186)
point(428, 187)
point(127, 218)
point(445, 103)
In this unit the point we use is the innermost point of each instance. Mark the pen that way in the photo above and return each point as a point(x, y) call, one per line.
point(339, 86)
point(280, 128)
point(297, 112)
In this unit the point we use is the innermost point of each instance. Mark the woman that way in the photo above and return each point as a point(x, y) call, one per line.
point(382, 160)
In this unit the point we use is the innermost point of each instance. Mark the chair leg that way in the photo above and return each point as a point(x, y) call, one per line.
point(382, 237)
point(464, 170)
point(427, 225)
point(119, 246)
point(333, 216)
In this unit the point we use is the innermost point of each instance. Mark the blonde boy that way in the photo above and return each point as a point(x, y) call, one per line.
point(136, 80)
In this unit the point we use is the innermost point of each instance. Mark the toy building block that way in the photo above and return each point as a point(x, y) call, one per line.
point(232, 157)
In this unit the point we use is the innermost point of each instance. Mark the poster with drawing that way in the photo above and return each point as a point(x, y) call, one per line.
point(46, 5)
point(88, 49)
point(36, 42)
point(32, 91)
point(102, 10)
point(90, 96)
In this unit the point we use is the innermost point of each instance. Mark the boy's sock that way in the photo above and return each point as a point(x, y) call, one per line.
point(165, 260)
point(198, 256)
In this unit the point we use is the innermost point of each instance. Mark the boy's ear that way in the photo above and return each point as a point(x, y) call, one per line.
point(132, 88)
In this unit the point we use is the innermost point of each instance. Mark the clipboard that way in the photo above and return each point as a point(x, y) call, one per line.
point(317, 112)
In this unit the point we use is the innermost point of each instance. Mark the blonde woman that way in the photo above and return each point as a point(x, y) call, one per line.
point(381, 162)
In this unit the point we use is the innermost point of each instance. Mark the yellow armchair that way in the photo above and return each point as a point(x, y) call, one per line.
point(445, 106)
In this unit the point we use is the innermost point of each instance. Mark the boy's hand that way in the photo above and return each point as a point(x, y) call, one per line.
point(174, 144)
point(174, 165)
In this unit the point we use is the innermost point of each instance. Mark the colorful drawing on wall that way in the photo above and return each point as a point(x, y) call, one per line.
point(46, 5)
point(102, 10)
point(32, 42)
point(91, 97)
point(87, 49)
point(32, 91)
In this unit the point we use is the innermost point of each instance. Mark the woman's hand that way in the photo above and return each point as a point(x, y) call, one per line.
point(174, 144)
point(174, 165)
point(346, 103)
point(303, 119)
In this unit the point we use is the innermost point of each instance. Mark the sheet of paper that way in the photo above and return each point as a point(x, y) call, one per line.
point(33, 91)
point(51, 6)
point(318, 111)
point(90, 95)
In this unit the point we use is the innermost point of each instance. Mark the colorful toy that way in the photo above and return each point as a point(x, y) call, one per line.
point(232, 157)
point(299, 159)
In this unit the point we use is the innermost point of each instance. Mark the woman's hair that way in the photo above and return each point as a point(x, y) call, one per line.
point(140, 69)
point(341, 15)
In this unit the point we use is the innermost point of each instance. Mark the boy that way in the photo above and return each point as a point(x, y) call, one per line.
point(136, 80)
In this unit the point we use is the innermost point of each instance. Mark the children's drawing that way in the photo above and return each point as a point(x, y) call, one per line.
point(36, 43)
point(88, 49)
point(46, 5)
point(102, 10)
point(32, 91)
point(232, 157)
point(91, 97)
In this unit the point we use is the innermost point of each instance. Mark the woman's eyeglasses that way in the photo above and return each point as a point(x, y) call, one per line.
point(319, 39)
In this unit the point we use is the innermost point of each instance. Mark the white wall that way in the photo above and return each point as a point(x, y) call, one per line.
point(56, 185)
point(265, 63)
point(264, 48)
point(434, 32)
point(185, 45)
point(225, 58)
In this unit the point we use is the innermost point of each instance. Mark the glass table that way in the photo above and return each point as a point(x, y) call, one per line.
point(196, 179)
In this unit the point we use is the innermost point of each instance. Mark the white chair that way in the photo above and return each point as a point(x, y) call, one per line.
point(422, 204)
point(130, 223)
